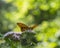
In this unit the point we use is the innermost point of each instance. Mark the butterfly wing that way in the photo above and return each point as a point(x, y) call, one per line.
point(33, 27)
point(22, 26)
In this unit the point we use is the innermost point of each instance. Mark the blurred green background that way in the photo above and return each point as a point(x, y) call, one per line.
point(44, 13)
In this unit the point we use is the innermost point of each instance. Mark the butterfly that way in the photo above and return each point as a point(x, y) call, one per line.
point(16, 35)
point(25, 27)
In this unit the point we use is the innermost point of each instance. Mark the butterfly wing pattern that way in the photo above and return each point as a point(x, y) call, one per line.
point(22, 26)
point(25, 27)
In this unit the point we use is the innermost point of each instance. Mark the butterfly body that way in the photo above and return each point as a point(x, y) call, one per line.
point(25, 27)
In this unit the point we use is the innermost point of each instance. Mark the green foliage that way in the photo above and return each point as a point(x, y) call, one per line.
point(25, 39)
point(44, 13)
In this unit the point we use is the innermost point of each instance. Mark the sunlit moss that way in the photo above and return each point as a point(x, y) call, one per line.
point(17, 29)
point(22, 7)
point(44, 25)
point(48, 30)
point(29, 18)
point(50, 33)
point(39, 37)
point(18, 3)
point(46, 45)
point(57, 34)
point(2, 41)
point(44, 7)
point(36, 12)
point(8, 1)
point(54, 5)
point(12, 16)
point(9, 16)
point(10, 26)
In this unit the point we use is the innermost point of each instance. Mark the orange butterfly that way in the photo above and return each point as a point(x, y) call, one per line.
point(25, 27)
